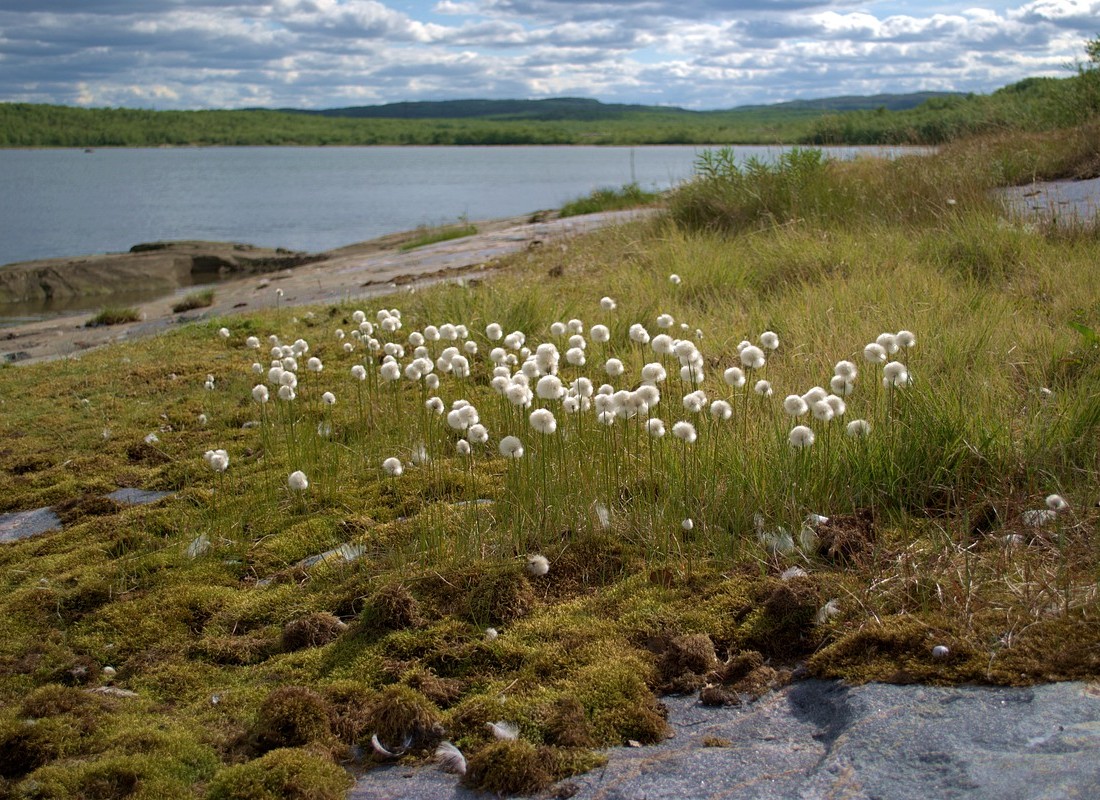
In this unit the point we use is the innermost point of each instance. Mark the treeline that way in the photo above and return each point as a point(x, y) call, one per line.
point(25, 125)
point(1031, 105)
point(1034, 104)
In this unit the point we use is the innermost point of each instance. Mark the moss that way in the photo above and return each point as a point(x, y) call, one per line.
point(74, 510)
point(508, 768)
point(26, 745)
point(391, 608)
point(782, 626)
point(286, 774)
point(400, 714)
point(292, 716)
point(443, 692)
point(248, 648)
point(53, 700)
point(718, 695)
point(566, 724)
point(686, 659)
point(618, 703)
point(897, 650)
point(313, 630)
point(349, 702)
point(500, 596)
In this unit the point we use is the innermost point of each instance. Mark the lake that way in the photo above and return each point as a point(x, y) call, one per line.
point(59, 203)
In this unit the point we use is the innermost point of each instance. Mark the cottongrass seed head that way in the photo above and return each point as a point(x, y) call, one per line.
point(537, 565)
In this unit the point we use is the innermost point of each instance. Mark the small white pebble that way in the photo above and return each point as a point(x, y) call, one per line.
point(940, 651)
point(109, 671)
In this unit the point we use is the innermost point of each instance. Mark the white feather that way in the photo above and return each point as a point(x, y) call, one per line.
point(503, 730)
point(382, 751)
point(450, 758)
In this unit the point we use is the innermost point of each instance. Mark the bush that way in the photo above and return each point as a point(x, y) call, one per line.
point(631, 195)
point(114, 316)
point(203, 299)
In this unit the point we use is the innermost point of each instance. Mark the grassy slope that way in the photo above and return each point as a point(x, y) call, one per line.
point(629, 608)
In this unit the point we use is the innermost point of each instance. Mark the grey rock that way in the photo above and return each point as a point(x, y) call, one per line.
point(137, 497)
point(823, 739)
point(24, 524)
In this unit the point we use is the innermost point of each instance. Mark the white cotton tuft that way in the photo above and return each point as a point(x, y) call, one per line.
point(537, 565)
point(800, 437)
point(735, 377)
point(684, 431)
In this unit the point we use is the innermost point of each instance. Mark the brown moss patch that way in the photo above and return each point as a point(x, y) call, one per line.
point(508, 768)
point(441, 691)
point(349, 702)
point(312, 630)
point(391, 608)
point(684, 661)
point(500, 596)
point(717, 695)
point(248, 648)
point(782, 626)
point(90, 504)
point(846, 537)
point(567, 725)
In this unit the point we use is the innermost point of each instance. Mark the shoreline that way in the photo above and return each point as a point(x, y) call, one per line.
point(360, 270)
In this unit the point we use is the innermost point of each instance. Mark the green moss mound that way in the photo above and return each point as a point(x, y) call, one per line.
point(286, 774)
point(292, 716)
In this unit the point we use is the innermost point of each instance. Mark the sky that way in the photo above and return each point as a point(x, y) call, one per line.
point(699, 54)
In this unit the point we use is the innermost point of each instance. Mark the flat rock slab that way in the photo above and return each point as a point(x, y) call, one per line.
point(25, 524)
point(1071, 201)
point(822, 739)
point(137, 497)
point(21, 525)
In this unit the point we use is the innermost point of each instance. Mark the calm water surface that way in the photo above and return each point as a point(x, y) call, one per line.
point(68, 202)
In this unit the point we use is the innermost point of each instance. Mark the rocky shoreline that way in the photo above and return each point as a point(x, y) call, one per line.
point(259, 278)
point(156, 267)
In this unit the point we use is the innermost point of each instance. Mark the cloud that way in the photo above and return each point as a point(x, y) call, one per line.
point(695, 53)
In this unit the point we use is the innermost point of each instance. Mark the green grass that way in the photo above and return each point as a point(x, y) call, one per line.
point(630, 195)
point(200, 299)
point(247, 685)
point(443, 233)
point(114, 316)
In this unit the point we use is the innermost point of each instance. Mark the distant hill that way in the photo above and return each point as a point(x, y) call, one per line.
point(915, 118)
point(891, 102)
point(586, 109)
point(555, 108)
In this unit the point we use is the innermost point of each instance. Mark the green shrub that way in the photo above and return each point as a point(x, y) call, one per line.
point(630, 195)
point(203, 299)
point(114, 316)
